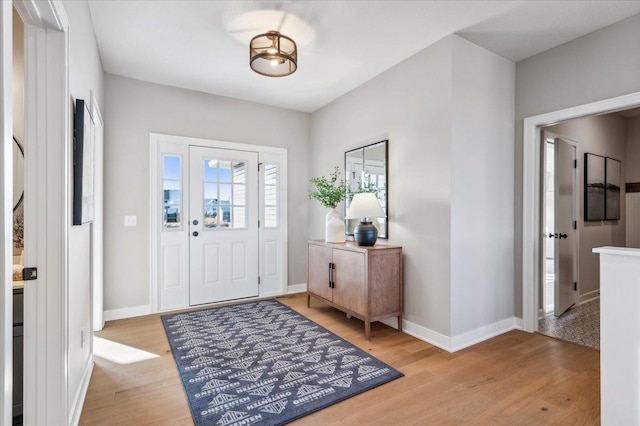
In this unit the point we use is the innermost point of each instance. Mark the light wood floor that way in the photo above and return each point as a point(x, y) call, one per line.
point(517, 378)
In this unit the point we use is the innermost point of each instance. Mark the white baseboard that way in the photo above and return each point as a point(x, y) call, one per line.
point(76, 409)
point(461, 341)
point(481, 334)
point(133, 311)
point(588, 297)
point(137, 311)
point(297, 288)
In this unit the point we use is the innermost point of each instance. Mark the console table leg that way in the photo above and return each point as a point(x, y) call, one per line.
point(308, 300)
point(400, 323)
point(367, 329)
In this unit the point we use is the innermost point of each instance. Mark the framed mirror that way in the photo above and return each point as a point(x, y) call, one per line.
point(18, 174)
point(366, 171)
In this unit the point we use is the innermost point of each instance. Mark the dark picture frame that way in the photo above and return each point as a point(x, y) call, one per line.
point(612, 183)
point(594, 187)
point(83, 165)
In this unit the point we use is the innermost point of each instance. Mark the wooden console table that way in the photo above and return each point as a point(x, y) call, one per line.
point(365, 282)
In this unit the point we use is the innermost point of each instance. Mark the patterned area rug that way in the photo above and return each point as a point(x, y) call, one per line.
point(264, 363)
point(580, 324)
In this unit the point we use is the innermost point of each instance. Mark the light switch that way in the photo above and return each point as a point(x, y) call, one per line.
point(130, 220)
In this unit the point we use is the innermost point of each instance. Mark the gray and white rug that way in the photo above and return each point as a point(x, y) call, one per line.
point(264, 363)
point(580, 324)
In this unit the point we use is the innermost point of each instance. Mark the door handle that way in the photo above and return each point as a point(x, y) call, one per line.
point(563, 236)
point(331, 265)
point(553, 235)
point(195, 233)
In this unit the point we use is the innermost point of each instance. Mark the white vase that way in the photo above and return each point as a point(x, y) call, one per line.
point(334, 228)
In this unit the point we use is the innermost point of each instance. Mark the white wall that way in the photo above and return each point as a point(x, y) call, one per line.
point(482, 169)
point(602, 135)
point(600, 65)
point(410, 104)
point(448, 114)
point(632, 174)
point(85, 75)
point(133, 110)
point(632, 152)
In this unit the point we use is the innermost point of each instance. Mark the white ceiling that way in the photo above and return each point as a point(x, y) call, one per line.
point(203, 45)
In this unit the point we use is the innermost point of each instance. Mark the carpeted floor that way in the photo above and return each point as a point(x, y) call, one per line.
point(580, 324)
point(263, 363)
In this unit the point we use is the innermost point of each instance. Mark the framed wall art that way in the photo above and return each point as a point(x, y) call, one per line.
point(83, 165)
point(594, 180)
point(612, 183)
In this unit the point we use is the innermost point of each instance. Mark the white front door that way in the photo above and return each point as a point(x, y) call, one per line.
point(223, 225)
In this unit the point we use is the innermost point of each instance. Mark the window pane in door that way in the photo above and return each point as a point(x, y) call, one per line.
point(225, 171)
point(225, 194)
point(271, 195)
point(172, 192)
point(239, 195)
point(210, 205)
point(239, 172)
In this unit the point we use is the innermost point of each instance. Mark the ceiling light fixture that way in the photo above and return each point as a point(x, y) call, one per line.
point(273, 54)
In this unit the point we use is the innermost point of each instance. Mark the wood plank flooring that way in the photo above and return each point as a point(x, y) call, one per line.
point(516, 378)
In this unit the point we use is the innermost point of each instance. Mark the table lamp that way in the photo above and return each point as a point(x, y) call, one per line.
point(365, 206)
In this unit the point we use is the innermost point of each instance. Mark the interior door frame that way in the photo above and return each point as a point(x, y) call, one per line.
point(155, 140)
point(6, 211)
point(531, 208)
point(47, 127)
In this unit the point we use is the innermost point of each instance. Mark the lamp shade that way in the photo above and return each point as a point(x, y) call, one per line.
point(364, 205)
point(273, 54)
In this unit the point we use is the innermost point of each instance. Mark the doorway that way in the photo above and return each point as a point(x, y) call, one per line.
point(533, 233)
point(223, 211)
point(218, 221)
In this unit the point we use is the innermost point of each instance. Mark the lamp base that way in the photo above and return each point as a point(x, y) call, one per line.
point(365, 233)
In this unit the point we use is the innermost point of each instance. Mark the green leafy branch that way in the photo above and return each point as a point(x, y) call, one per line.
point(328, 191)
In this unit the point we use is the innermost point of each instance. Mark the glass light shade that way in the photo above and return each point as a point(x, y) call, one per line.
point(273, 54)
point(364, 205)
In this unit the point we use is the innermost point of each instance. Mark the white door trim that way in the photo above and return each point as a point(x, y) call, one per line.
point(531, 232)
point(155, 139)
point(6, 211)
point(47, 212)
point(97, 227)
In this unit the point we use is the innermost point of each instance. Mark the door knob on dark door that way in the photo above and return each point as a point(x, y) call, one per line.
point(195, 233)
point(563, 236)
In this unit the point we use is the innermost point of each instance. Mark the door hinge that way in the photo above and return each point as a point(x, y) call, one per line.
point(258, 279)
point(575, 224)
point(575, 164)
point(258, 223)
point(575, 286)
point(259, 164)
point(29, 274)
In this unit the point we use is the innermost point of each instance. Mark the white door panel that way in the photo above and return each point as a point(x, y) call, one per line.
point(565, 234)
point(223, 225)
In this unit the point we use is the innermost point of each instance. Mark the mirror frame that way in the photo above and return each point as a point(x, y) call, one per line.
point(19, 202)
point(351, 223)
